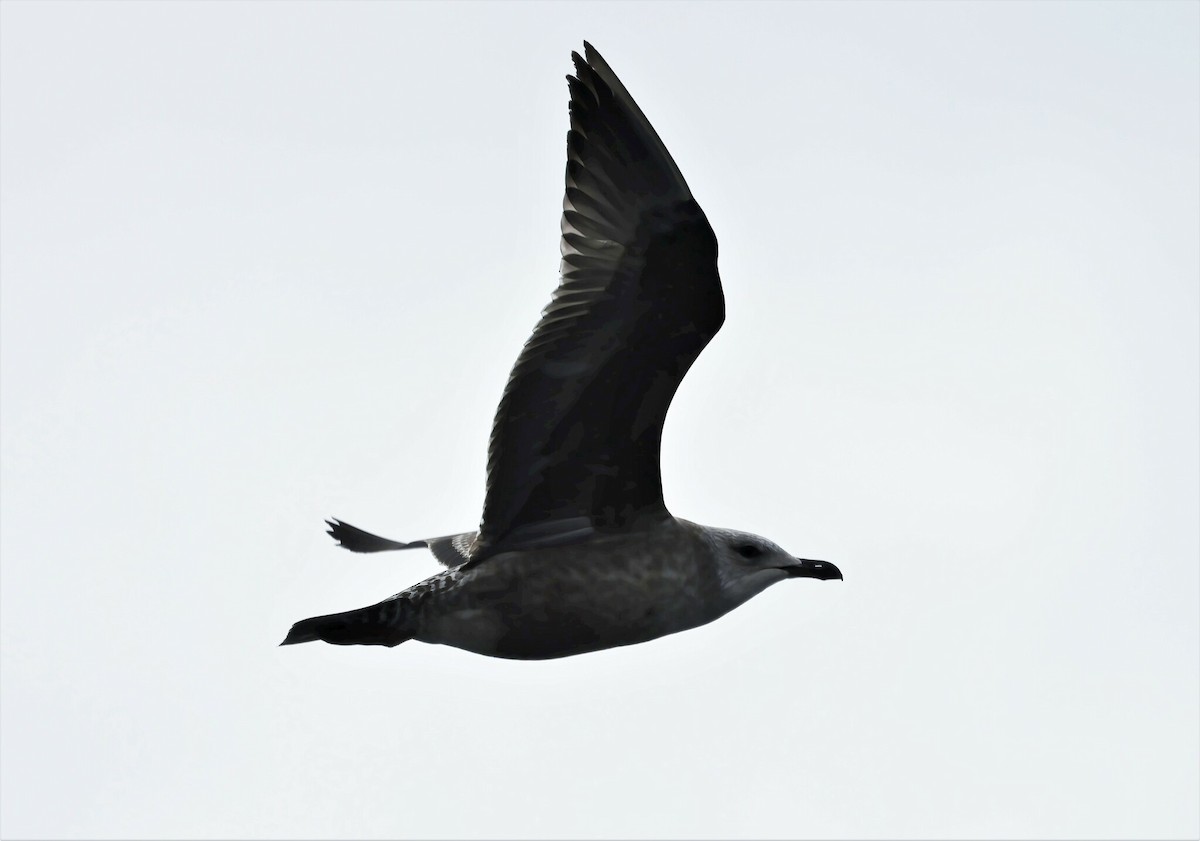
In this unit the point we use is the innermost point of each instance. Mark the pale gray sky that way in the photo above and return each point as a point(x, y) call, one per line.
point(264, 264)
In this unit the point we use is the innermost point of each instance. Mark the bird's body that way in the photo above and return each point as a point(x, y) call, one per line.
point(556, 601)
point(569, 599)
point(576, 550)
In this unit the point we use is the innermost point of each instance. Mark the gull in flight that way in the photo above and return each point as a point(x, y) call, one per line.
point(576, 550)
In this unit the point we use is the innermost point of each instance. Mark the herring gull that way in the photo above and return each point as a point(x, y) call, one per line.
point(576, 550)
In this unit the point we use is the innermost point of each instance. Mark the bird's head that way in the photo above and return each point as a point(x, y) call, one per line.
point(748, 564)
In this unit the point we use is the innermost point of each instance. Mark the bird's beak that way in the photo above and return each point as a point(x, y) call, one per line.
point(801, 568)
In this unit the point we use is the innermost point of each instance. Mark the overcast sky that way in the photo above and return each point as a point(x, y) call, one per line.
point(266, 264)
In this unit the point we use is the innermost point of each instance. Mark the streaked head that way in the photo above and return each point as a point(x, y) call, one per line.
point(748, 564)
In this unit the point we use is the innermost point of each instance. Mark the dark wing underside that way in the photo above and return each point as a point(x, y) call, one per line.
point(575, 444)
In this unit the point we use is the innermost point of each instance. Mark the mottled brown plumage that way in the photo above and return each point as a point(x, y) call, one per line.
point(576, 550)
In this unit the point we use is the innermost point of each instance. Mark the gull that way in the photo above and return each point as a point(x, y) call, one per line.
point(576, 550)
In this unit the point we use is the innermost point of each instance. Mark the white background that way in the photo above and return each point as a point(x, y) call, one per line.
point(264, 264)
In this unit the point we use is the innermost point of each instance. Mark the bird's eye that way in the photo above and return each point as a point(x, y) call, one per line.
point(749, 550)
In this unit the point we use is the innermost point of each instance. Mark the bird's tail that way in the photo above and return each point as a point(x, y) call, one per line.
point(357, 540)
point(379, 624)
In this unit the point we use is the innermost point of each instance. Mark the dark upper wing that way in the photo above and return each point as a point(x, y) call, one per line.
point(575, 444)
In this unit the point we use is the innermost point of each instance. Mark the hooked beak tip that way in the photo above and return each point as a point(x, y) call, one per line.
point(821, 570)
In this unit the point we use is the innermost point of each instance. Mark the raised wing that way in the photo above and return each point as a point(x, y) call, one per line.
point(575, 444)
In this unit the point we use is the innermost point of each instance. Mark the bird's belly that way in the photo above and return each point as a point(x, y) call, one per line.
point(540, 613)
point(474, 629)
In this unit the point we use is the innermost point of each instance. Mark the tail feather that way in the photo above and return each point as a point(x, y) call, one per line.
point(378, 624)
point(357, 540)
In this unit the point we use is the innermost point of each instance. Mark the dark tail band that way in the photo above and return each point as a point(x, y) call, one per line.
point(357, 540)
